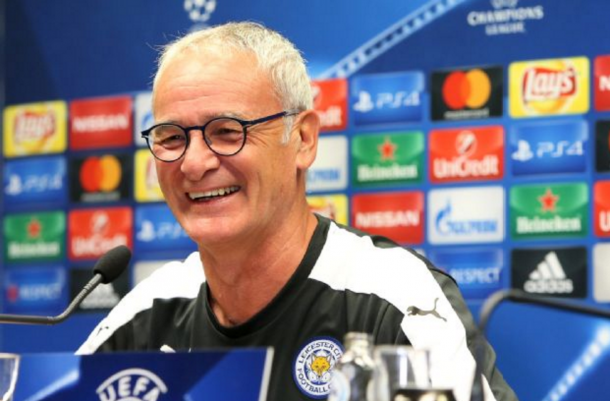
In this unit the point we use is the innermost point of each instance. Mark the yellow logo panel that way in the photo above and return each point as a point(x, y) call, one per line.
point(145, 178)
point(549, 87)
point(35, 128)
point(332, 206)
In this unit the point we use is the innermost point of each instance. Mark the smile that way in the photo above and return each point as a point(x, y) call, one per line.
point(213, 194)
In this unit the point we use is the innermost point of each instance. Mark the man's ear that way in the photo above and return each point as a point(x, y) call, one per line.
point(308, 131)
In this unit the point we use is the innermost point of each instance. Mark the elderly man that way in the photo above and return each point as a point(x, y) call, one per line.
point(234, 136)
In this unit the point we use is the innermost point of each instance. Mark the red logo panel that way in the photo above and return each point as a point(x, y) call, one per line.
point(398, 215)
point(330, 102)
point(93, 232)
point(601, 208)
point(602, 83)
point(101, 123)
point(466, 154)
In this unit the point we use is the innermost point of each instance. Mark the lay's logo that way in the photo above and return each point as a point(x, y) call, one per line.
point(36, 128)
point(549, 87)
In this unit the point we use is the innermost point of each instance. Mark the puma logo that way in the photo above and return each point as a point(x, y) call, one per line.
point(414, 310)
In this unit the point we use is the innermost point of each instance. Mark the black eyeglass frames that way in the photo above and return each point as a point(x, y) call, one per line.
point(225, 136)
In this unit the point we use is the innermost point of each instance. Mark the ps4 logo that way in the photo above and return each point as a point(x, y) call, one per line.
point(386, 100)
point(547, 149)
point(165, 231)
point(32, 183)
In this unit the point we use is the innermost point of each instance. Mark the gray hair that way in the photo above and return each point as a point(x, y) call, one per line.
point(275, 54)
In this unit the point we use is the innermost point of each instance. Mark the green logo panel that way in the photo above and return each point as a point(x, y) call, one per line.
point(549, 211)
point(34, 237)
point(386, 159)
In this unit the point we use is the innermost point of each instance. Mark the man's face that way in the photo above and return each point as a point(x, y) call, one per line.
point(222, 199)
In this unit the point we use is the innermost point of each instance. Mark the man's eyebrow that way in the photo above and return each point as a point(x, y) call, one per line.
point(206, 118)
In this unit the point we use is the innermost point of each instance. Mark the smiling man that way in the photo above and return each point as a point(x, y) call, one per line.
point(233, 138)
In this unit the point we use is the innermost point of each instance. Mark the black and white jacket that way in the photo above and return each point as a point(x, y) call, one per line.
point(347, 281)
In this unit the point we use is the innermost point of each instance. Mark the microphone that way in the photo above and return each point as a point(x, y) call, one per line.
point(519, 296)
point(107, 269)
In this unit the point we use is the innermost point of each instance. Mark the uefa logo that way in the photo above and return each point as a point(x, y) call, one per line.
point(132, 385)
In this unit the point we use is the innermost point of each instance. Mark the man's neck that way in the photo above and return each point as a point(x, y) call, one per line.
point(244, 281)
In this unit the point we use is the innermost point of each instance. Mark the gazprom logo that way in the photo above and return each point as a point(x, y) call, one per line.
point(329, 171)
point(132, 385)
point(466, 215)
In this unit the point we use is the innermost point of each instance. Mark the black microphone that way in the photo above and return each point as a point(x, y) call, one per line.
point(108, 267)
point(519, 296)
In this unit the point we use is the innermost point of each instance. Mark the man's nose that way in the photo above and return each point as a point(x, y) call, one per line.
point(198, 158)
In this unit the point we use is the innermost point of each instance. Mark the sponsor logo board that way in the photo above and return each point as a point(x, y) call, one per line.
point(549, 87)
point(101, 123)
point(392, 158)
point(146, 184)
point(602, 146)
point(332, 206)
point(102, 178)
point(549, 210)
point(466, 154)
point(467, 94)
point(479, 272)
point(601, 208)
point(104, 297)
point(35, 290)
point(329, 171)
point(93, 232)
point(396, 215)
point(156, 229)
point(466, 215)
point(549, 147)
point(143, 117)
point(34, 236)
point(35, 128)
point(601, 77)
point(387, 98)
point(330, 102)
point(35, 181)
point(143, 269)
point(601, 272)
point(560, 272)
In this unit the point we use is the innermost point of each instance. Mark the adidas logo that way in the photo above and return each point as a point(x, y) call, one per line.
point(549, 278)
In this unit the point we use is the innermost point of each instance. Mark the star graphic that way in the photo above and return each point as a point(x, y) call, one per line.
point(387, 149)
point(34, 228)
point(548, 201)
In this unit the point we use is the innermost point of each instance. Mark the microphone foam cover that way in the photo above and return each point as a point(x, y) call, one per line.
point(113, 263)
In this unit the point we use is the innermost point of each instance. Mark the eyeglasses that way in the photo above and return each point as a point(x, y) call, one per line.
point(225, 136)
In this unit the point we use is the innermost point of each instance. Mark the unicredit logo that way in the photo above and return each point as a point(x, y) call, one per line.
point(132, 385)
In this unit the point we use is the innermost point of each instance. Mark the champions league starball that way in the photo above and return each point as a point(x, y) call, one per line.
point(199, 10)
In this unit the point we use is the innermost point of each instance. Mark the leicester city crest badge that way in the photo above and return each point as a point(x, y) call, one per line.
point(314, 364)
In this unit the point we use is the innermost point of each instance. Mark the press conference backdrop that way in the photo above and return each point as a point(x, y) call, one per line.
point(476, 132)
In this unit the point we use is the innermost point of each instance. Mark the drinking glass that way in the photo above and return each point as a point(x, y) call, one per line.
point(400, 368)
point(9, 368)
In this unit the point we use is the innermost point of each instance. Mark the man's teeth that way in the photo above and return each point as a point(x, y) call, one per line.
point(213, 193)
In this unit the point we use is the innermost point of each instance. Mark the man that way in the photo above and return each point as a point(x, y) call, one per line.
point(234, 136)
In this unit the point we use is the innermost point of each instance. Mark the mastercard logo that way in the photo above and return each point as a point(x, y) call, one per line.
point(100, 174)
point(469, 89)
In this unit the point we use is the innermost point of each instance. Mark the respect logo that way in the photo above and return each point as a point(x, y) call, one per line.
point(549, 87)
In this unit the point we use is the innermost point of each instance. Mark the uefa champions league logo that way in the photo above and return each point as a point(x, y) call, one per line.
point(199, 11)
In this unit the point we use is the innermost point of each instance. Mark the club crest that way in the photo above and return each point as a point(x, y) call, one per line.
point(314, 364)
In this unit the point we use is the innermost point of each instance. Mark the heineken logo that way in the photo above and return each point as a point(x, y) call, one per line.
point(394, 158)
point(34, 236)
point(556, 210)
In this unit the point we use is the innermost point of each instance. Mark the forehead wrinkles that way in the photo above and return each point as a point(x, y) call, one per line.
point(226, 64)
